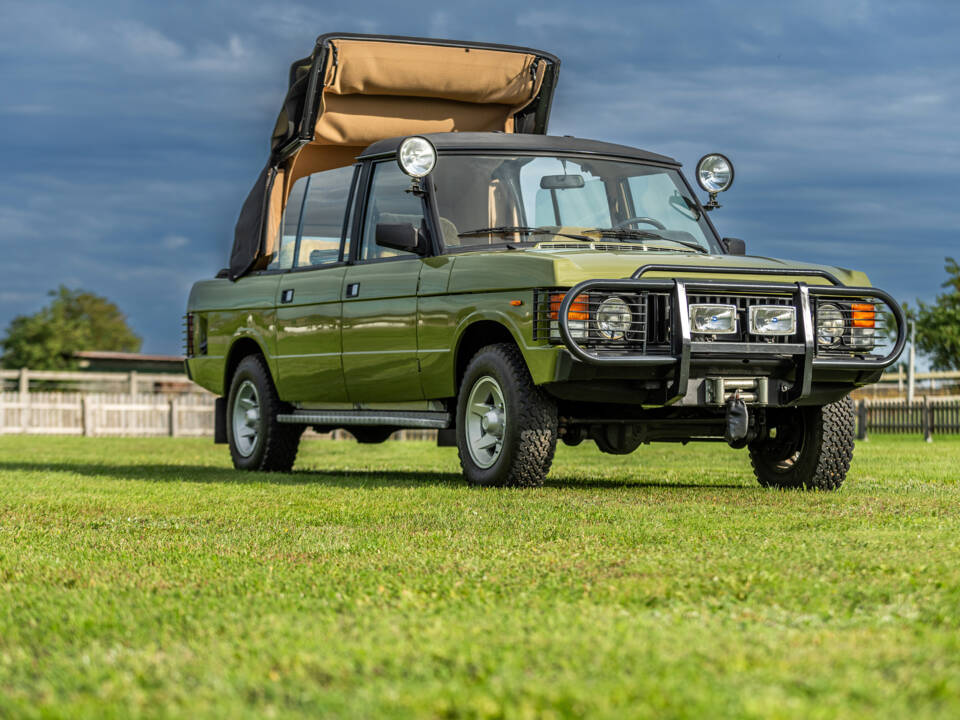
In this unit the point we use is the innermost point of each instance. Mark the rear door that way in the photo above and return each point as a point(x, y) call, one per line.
point(380, 298)
point(308, 298)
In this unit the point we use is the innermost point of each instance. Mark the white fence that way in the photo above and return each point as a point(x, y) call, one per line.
point(99, 414)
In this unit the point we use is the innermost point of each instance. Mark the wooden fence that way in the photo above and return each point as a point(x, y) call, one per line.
point(99, 414)
point(935, 415)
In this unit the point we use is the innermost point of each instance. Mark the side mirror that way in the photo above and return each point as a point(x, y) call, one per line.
point(402, 236)
point(735, 246)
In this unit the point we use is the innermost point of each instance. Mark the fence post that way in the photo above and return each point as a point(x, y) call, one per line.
point(24, 399)
point(86, 415)
point(133, 383)
point(862, 420)
point(3, 411)
point(173, 425)
point(927, 419)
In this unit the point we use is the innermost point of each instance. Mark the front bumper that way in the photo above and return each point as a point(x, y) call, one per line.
point(692, 372)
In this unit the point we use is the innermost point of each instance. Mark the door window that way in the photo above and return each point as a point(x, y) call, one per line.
point(390, 203)
point(323, 214)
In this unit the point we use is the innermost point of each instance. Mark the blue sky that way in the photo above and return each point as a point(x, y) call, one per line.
point(131, 132)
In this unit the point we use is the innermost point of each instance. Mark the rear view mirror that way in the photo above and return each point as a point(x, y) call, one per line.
point(400, 236)
point(735, 246)
point(561, 182)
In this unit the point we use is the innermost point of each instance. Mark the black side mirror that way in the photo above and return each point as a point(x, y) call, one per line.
point(735, 246)
point(401, 236)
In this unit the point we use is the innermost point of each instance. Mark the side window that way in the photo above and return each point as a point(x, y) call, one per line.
point(389, 203)
point(323, 213)
point(283, 260)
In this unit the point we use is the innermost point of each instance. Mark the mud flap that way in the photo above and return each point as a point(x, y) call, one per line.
point(220, 421)
point(738, 422)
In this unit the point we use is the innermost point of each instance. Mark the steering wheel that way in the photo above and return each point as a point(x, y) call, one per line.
point(634, 220)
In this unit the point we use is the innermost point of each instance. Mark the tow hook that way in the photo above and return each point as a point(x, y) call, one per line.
point(737, 433)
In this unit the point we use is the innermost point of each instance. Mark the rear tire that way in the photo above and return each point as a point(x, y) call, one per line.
point(506, 425)
point(257, 441)
point(812, 447)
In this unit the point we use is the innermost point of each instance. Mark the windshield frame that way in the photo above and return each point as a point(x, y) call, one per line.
point(711, 234)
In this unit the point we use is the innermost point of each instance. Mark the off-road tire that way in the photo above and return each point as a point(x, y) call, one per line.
point(277, 443)
point(530, 435)
point(813, 448)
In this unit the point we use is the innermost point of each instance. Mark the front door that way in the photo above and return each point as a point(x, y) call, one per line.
point(380, 299)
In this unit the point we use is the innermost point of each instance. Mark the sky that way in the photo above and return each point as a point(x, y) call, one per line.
point(131, 132)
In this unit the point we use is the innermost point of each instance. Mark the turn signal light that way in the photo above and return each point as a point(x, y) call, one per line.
point(579, 309)
point(864, 315)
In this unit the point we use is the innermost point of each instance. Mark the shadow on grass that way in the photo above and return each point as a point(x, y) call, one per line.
point(339, 478)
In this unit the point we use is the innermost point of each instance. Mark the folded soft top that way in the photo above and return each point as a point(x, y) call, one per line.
point(353, 90)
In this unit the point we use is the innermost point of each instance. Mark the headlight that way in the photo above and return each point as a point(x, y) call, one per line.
point(773, 320)
point(613, 318)
point(713, 319)
point(830, 325)
point(715, 173)
point(417, 156)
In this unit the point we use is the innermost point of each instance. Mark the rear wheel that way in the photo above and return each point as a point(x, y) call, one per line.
point(808, 447)
point(257, 441)
point(506, 425)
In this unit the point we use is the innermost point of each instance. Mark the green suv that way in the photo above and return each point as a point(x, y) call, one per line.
point(511, 289)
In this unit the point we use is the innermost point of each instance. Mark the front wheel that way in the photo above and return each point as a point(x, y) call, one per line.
point(506, 425)
point(257, 441)
point(807, 447)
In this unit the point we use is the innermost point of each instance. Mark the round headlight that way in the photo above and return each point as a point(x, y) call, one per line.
point(613, 318)
point(715, 173)
point(417, 156)
point(829, 325)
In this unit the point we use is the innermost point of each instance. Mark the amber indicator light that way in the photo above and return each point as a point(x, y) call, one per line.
point(864, 315)
point(516, 303)
point(579, 309)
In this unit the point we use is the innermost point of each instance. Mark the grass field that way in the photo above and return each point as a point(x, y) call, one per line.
point(145, 578)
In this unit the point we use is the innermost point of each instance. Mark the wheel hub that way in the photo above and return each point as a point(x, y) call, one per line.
point(486, 421)
point(246, 419)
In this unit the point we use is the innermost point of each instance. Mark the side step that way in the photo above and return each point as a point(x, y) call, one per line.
point(345, 418)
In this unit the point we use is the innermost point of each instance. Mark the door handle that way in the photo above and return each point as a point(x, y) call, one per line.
point(353, 290)
point(286, 295)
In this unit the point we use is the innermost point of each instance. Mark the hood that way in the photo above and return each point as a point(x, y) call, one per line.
point(573, 265)
point(548, 265)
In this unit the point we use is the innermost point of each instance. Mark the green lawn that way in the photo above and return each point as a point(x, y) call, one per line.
point(146, 578)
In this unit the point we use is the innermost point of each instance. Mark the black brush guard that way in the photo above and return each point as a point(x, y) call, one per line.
point(683, 347)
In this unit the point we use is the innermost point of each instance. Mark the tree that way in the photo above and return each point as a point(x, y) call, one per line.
point(74, 320)
point(938, 325)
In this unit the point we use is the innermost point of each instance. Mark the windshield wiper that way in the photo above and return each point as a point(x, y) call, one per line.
point(624, 234)
point(523, 229)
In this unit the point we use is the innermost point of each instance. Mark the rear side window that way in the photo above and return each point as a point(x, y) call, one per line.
point(283, 259)
point(323, 214)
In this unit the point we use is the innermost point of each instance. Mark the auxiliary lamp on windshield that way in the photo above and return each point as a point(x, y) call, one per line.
point(417, 157)
point(714, 175)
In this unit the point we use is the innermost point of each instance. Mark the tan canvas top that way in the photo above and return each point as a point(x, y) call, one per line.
point(372, 88)
point(375, 90)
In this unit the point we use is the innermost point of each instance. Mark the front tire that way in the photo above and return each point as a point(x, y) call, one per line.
point(506, 425)
point(812, 447)
point(257, 441)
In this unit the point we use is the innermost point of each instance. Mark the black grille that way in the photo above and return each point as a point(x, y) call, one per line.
point(743, 303)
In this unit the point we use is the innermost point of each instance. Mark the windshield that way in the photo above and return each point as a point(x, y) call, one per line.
point(491, 200)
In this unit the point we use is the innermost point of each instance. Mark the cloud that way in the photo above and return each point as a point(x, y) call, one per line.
point(173, 242)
